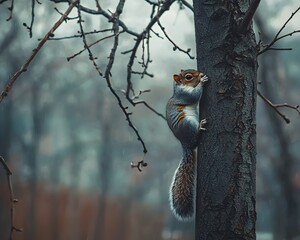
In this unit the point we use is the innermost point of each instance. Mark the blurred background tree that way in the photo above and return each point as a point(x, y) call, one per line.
point(68, 144)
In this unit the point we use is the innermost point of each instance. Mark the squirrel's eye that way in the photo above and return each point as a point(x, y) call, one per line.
point(188, 77)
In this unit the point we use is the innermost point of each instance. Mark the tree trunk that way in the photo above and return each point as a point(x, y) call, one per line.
point(225, 198)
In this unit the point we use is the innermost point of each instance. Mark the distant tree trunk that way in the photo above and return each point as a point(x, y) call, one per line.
point(6, 113)
point(6, 127)
point(32, 163)
point(104, 165)
point(285, 218)
point(225, 204)
point(75, 230)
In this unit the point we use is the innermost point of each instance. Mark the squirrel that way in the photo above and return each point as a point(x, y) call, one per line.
point(183, 119)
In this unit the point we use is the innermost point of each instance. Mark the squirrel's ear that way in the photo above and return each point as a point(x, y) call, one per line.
point(181, 70)
point(177, 78)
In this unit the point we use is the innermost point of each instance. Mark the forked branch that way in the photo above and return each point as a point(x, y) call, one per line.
point(276, 106)
point(35, 51)
point(277, 37)
point(107, 73)
point(175, 46)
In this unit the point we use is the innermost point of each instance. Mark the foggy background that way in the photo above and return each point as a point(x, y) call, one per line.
point(70, 148)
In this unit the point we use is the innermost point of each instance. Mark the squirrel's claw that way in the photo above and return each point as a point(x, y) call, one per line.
point(202, 124)
point(203, 79)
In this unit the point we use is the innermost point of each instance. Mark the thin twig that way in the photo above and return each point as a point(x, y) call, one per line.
point(67, 18)
point(105, 14)
point(186, 4)
point(156, 34)
point(152, 3)
point(32, 17)
point(280, 49)
point(90, 45)
point(129, 90)
point(80, 35)
point(11, 198)
point(281, 105)
point(175, 46)
point(288, 34)
point(98, 5)
point(86, 46)
point(139, 165)
point(145, 59)
point(107, 73)
point(276, 106)
point(11, 8)
point(25, 66)
point(166, 5)
point(117, 13)
point(151, 108)
point(277, 38)
point(133, 98)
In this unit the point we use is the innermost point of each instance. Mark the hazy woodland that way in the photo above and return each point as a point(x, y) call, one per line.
point(70, 148)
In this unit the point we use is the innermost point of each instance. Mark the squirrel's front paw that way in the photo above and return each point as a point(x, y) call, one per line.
point(202, 124)
point(203, 79)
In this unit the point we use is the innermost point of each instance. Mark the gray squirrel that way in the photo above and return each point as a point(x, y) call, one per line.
point(183, 119)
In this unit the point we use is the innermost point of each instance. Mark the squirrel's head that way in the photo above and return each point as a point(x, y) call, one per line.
point(188, 77)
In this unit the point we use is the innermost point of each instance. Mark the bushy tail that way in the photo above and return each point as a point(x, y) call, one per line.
point(182, 188)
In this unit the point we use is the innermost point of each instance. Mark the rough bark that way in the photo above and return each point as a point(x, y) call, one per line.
point(225, 202)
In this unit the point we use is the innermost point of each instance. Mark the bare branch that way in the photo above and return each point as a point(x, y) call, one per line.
point(246, 21)
point(107, 74)
point(277, 38)
point(135, 97)
point(11, 197)
point(140, 93)
point(98, 5)
point(11, 9)
point(166, 5)
point(280, 49)
point(32, 17)
point(152, 3)
point(186, 4)
point(276, 106)
point(80, 35)
point(281, 105)
point(24, 68)
point(87, 47)
point(145, 57)
point(151, 108)
point(175, 46)
point(139, 165)
point(105, 14)
point(30, 27)
point(67, 18)
point(140, 38)
point(6, 168)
